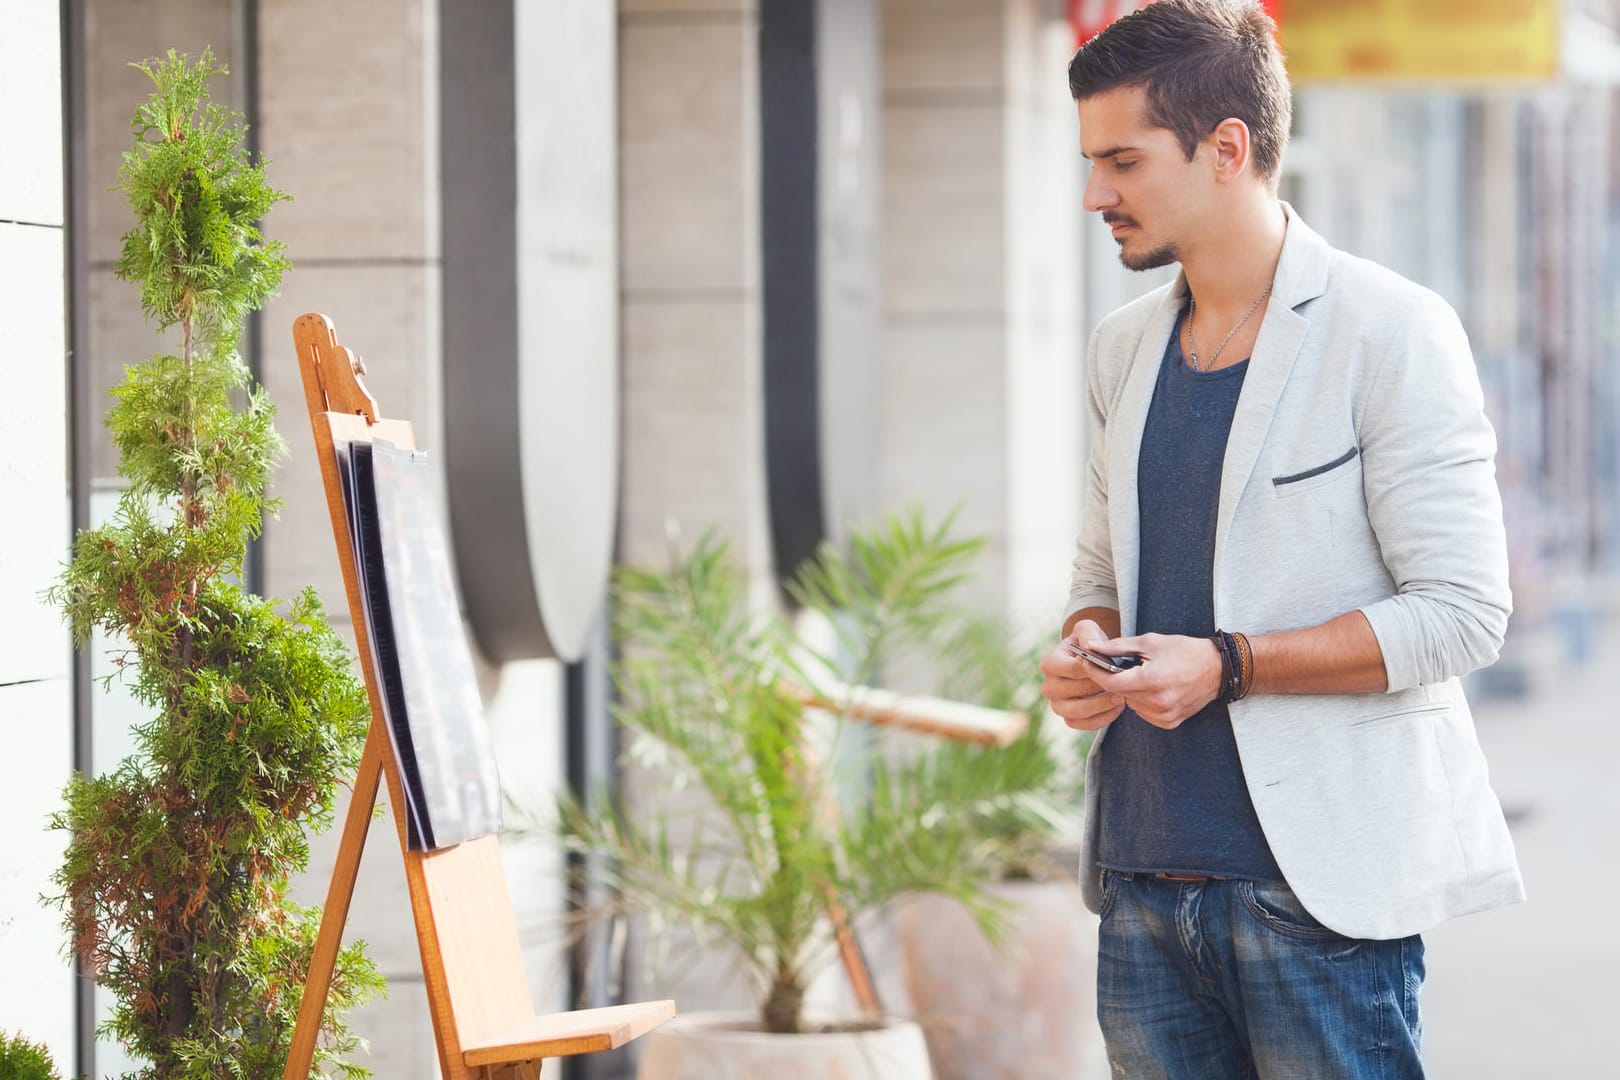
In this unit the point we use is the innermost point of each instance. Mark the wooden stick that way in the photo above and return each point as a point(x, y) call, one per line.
point(852, 956)
point(954, 720)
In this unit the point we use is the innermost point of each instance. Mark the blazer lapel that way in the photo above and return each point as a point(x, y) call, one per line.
point(1301, 276)
point(1125, 444)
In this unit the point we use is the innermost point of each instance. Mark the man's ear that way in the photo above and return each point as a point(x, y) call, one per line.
point(1233, 148)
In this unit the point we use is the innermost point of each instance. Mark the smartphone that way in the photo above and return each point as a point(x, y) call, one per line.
point(1111, 664)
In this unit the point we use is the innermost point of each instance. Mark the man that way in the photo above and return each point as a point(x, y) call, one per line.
point(1291, 515)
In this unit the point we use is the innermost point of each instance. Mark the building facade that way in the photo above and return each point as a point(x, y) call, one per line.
point(740, 268)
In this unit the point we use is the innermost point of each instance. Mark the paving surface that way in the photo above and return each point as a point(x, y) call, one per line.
point(1533, 991)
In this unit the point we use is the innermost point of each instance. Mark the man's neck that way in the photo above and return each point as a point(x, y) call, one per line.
point(1237, 259)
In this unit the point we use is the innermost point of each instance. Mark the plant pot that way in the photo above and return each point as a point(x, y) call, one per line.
point(1026, 1013)
point(730, 1046)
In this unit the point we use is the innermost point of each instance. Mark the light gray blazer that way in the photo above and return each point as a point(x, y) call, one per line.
point(1359, 475)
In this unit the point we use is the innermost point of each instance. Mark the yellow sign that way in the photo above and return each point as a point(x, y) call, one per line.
point(1420, 40)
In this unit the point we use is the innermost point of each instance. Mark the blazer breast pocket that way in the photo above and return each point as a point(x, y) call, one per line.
point(1332, 471)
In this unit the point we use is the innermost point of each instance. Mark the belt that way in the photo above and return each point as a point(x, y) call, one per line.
point(1190, 877)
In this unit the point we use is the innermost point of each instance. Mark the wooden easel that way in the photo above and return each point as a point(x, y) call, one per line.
point(483, 1017)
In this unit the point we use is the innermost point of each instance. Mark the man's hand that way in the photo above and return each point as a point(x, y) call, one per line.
point(1177, 677)
point(1072, 684)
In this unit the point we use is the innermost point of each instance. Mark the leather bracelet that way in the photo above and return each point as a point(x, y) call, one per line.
point(1229, 663)
point(1237, 666)
point(1245, 666)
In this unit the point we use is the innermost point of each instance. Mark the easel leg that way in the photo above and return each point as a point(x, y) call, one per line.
point(362, 801)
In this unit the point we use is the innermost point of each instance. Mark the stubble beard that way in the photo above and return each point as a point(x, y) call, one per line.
point(1149, 260)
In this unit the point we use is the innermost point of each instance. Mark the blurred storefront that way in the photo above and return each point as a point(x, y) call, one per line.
point(1500, 191)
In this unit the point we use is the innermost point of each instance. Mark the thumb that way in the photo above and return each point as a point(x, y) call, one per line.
point(1088, 633)
point(1136, 645)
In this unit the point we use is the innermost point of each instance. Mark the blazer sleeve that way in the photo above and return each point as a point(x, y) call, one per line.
point(1429, 475)
point(1092, 582)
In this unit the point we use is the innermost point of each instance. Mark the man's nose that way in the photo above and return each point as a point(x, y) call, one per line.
point(1098, 195)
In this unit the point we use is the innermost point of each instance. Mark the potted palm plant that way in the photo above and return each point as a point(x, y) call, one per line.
point(751, 864)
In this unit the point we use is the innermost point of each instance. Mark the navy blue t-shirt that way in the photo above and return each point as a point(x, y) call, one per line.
point(1175, 801)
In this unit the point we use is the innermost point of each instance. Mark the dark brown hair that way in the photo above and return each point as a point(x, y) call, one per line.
point(1200, 62)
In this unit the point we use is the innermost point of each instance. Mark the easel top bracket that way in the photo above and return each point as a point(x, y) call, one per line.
point(332, 372)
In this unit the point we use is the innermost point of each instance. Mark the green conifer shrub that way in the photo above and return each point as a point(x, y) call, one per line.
point(24, 1060)
point(175, 878)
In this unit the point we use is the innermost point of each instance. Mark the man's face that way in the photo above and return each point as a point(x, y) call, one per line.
point(1140, 180)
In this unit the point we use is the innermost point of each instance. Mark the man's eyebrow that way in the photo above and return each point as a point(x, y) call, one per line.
point(1113, 152)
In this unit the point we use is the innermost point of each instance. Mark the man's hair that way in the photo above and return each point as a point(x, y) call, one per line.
point(1200, 62)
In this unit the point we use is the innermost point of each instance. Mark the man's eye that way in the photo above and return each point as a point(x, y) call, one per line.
point(1122, 166)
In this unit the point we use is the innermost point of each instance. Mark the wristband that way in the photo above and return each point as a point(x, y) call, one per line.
point(1245, 655)
point(1237, 666)
point(1229, 665)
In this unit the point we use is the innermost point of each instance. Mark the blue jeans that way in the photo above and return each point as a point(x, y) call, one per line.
point(1231, 978)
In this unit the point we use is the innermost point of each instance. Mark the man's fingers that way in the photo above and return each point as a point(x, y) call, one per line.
point(1059, 664)
point(1088, 712)
point(1067, 686)
point(1094, 723)
point(1076, 688)
point(1081, 704)
point(1131, 680)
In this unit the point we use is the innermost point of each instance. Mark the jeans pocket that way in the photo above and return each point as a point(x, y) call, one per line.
point(1274, 905)
point(1109, 890)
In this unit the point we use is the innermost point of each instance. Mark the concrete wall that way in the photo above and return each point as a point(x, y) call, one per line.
point(690, 303)
point(347, 124)
point(36, 720)
point(945, 252)
point(981, 285)
point(979, 329)
point(690, 318)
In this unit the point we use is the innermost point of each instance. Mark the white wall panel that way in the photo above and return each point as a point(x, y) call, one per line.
point(30, 82)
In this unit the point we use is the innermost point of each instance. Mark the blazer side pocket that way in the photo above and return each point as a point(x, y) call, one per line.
point(1287, 485)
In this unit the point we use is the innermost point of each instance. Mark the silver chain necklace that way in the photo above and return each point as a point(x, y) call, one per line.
point(1192, 347)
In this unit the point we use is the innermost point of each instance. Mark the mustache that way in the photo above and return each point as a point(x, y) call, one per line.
point(1117, 219)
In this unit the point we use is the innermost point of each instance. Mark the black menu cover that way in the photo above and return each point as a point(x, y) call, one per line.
point(430, 694)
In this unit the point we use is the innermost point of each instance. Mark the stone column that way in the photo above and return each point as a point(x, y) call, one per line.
point(36, 710)
point(346, 125)
point(348, 128)
point(693, 429)
point(981, 344)
point(1047, 325)
point(689, 190)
